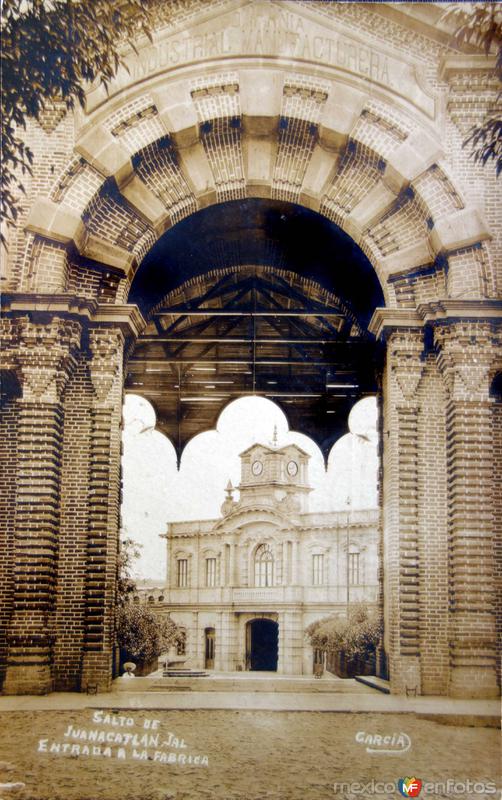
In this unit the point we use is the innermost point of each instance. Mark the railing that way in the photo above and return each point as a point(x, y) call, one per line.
point(257, 594)
point(276, 594)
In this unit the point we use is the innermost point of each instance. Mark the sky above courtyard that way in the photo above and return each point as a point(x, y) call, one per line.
point(156, 493)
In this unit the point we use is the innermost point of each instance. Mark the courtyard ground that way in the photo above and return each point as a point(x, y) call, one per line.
point(242, 755)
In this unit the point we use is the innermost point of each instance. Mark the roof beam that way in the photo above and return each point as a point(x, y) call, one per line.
point(135, 361)
point(201, 397)
point(237, 340)
point(220, 289)
point(289, 291)
point(218, 312)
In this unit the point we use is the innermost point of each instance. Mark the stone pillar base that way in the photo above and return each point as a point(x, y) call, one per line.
point(28, 679)
point(66, 683)
point(381, 668)
point(97, 671)
point(405, 676)
point(473, 682)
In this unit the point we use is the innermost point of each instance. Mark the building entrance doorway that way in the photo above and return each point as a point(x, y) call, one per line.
point(209, 648)
point(262, 645)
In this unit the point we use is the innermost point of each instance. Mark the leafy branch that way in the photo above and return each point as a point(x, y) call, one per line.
point(480, 24)
point(357, 636)
point(50, 50)
point(129, 552)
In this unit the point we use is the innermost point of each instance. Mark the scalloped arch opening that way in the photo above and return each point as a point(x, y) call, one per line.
point(156, 492)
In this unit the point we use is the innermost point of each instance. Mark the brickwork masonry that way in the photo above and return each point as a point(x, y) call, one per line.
point(393, 176)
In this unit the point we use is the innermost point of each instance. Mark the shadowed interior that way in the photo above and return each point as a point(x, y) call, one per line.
point(255, 297)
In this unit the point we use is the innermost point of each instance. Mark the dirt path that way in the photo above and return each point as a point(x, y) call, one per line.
point(251, 755)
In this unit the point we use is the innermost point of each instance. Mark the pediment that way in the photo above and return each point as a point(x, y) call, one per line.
point(270, 30)
point(254, 514)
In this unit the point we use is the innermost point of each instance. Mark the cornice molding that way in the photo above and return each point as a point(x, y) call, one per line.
point(386, 319)
point(452, 64)
point(126, 317)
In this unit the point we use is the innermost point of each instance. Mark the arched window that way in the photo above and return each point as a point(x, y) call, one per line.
point(264, 566)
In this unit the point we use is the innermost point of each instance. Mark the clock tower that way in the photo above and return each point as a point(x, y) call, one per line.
point(275, 476)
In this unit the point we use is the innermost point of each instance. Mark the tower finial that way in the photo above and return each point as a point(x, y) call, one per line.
point(229, 502)
point(274, 437)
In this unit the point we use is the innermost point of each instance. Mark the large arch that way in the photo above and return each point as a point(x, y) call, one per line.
point(354, 157)
point(282, 104)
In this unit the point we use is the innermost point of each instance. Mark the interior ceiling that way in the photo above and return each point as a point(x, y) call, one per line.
point(262, 232)
point(255, 297)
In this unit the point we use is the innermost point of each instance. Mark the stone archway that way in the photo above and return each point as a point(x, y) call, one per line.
point(337, 127)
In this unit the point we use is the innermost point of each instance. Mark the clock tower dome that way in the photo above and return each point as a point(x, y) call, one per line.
point(275, 476)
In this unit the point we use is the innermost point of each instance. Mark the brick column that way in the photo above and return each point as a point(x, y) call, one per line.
point(8, 470)
point(401, 512)
point(105, 366)
point(43, 353)
point(381, 656)
point(496, 394)
point(467, 351)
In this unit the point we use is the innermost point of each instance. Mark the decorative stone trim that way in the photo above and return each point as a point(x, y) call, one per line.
point(460, 229)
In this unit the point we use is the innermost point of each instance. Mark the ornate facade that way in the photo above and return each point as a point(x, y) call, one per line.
point(348, 114)
point(245, 587)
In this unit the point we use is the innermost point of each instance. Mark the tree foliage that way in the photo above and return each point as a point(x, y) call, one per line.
point(144, 635)
point(480, 24)
point(129, 552)
point(357, 636)
point(50, 50)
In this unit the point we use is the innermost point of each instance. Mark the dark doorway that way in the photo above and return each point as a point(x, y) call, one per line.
point(262, 645)
point(209, 648)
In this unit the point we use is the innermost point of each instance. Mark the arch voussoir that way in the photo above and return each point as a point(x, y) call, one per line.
point(362, 188)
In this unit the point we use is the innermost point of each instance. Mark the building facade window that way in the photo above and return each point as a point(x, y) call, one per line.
point(264, 566)
point(182, 572)
point(354, 568)
point(210, 572)
point(318, 569)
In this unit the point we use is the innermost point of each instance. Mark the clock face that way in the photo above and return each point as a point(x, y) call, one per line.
point(257, 468)
point(292, 468)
